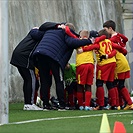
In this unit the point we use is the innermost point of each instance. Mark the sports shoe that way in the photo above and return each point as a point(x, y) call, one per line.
point(60, 108)
point(47, 107)
point(31, 107)
point(81, 108)
point(122, 107)
point(39, 102)
point(99, 108)
point(129, 107)
point(72, 108)
point(87, 108)
point(107, 107)
point(119, 108)
point(113, 108)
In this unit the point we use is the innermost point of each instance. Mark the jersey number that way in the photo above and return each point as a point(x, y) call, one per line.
point(108, 47)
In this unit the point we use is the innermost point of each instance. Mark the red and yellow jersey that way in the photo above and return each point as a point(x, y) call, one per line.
point(122, 64)
point(84, 58)
point(120, 39)
point(105, 47)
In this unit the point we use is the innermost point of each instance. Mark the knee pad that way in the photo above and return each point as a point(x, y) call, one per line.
point(99, 83)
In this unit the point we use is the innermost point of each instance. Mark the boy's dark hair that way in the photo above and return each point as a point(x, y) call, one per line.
point(104, 32)
point(110, 23)
point(93, 33)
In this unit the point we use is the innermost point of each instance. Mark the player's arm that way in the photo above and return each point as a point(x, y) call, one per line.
point(119, 48)
point(91, 47)
point(88, 48)
point(68, 32)
point(124, 38)
point(113, 53)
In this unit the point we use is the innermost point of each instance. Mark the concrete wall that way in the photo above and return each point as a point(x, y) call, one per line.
point(128, 30)
point(84, 14)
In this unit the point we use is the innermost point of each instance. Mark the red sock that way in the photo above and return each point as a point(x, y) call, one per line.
point(35, 96)
point(112, 96)
point(87, 98)
point(126, 95)
point(80, 98)
point(117, 96)
point(100, 96)
point(71, 99)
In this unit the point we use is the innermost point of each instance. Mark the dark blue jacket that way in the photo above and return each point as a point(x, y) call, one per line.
point(59, 46)
point(22, 54)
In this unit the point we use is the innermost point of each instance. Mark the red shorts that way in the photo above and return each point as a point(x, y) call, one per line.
point(106, 72)
point(85, 74)
point(123, 75)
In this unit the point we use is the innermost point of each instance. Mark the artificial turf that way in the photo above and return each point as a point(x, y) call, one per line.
point(71, 121)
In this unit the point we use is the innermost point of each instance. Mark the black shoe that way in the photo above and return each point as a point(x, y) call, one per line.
point(47, 107)
point(122, 107)
point(54, 108)
point(54, 101)
point(72, 108)
point(62, 108)
point(101, 108)
point(113, 108)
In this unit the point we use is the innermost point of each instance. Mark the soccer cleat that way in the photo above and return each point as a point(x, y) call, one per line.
point(99, 108)
point(81, 108)
point(122, 107)
point(107, 107)
point(87, 108)
point(31, 107)
point(119, 108)
point(129, 107)
point(113, 108)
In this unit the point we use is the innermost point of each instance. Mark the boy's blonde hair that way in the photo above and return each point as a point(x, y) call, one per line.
point(84, 33)
point(71, 26)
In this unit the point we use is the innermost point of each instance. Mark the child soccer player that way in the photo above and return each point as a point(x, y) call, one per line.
point(84, 75)
point(122, 67)
point(105, 69)
point(70, 84)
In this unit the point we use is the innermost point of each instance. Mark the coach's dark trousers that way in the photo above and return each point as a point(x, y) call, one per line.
point(29, 84)
point(45, 64)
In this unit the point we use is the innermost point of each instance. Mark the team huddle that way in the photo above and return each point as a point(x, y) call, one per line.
point(49, 48)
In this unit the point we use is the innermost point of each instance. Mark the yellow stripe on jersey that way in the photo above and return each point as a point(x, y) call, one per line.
point(99, 74)
point(78, 78)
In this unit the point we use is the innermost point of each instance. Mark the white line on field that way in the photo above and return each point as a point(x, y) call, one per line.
point(59, 118)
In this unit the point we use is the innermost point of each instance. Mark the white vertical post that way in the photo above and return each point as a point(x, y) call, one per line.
point(4, 62)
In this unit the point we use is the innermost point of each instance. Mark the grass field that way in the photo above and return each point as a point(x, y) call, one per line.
point(62, 121)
